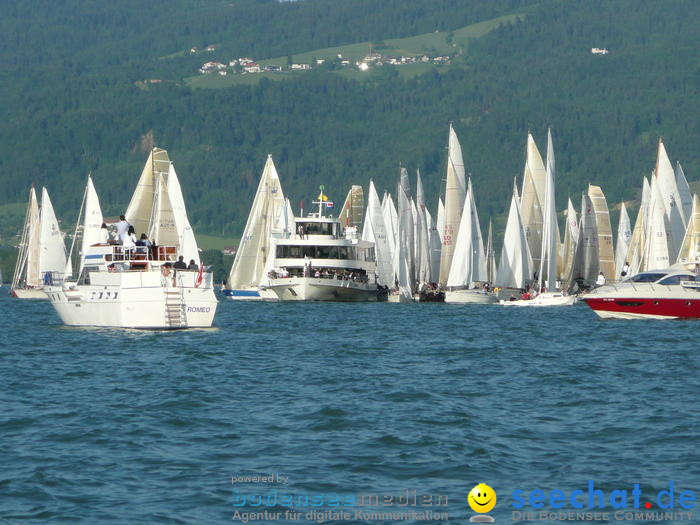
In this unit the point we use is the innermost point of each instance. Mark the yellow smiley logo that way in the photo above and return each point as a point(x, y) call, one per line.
point(482, 498)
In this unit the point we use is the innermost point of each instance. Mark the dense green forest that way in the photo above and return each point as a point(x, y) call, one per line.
point(71, 102)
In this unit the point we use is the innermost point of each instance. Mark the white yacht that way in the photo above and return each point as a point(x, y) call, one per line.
point(322, 261)
point(138, 286)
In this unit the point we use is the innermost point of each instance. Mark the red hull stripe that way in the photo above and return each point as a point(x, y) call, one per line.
point(685, 308)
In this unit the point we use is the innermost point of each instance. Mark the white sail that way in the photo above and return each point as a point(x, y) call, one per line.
point(656, 249)
point(684, 192)
point(570, 240)
point(391, 224)
point(532, 199)
point(52, 258)
point(92, 221)
point(140, 212)
point(671, 198)
point(254, 248)
point(405, 185)
point(690, 249)
point(27, 266)
point(516, 266)
point(440, 224)
point(455, 193)
point(163, 231)
point(490, 257)
point(550, 237)
point(635, 250)
point(423, 253)
point(374, 220)
point(435, 248)
point(187, 244)
point(469, 261)
point(624, 235)
point(405, 241)
point(606, 256)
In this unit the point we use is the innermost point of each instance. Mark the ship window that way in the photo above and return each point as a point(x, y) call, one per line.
point(676, 279)
point(324, 252)
point(647, 277)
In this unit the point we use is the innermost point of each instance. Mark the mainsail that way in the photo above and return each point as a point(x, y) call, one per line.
point(672, 202)
point(550, 233)
point(92, 221)
point(690, 249)
point(656, 249)
point(606, 255)
point(635, 250)
point(185, 235)
point(423, 253)
point(624, 234)
point(374, 222)
point(52, 258)
point(469, 261)
point(141, 207)
point(253, 250)
point(516, 267)
point(570, 241)
point(455, 193)
point(27, 266)
point(353, 210)
point(532, 200)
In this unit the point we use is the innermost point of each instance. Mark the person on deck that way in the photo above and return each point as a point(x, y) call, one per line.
point(180, 264)
point(193, 266)
point(601, 279)
point(122, 228)
point(625, 269)
point(104, 234)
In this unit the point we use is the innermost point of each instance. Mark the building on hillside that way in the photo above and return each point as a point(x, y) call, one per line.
point(599, 51)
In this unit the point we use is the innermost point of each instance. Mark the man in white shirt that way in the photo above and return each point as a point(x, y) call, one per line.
point(122, 228)
point(601, 279)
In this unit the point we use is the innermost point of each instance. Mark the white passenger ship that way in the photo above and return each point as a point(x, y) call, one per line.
point(322, 261)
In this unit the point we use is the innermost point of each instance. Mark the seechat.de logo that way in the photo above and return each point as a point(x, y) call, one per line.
point(482, 499)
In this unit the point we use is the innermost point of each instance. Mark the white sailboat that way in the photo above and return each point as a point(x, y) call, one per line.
point(635, 250)
point(690, 248)
point(624, 235)
point(374, 230)
point(672, 201)
point(248, 271)
point(136, 287)
point(26, 281)
point(584, 271)
point(423, 250)
point(532, 199)
point(468, 267)
point(657, 253)
point(606, 256)
point(516, 267)
point(548, 274)
point(570, 241)
point(455, 193)
point(42, 258)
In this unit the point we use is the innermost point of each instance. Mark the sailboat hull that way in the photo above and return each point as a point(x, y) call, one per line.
point(321, 289)
point(470, 297)
point(28, 293)
point(250, 294)
point(545, 299)
point(135, 300)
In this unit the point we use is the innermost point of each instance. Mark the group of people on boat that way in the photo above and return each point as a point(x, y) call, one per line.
point(320, 273)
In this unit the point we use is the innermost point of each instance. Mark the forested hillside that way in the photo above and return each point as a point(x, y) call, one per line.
point(71, 102)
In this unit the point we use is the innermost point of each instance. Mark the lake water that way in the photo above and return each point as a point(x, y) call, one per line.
point(343, 400)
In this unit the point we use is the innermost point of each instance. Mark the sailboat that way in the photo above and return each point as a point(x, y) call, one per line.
point(468, 267)
point(137, 288)
point(548, 274)
point(606, 257)
point(516, 267)
point(42, 256)
point(255, 251)
point(624, 234)
point(455, 194)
